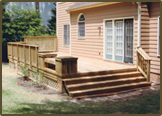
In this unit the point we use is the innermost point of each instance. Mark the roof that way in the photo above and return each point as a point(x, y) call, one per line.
point(84, 5)
point(81, 4)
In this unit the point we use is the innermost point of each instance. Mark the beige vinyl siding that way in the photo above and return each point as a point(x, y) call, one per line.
point(93, 43)
point(153, 28)
point(145, 27)
point(62, 19)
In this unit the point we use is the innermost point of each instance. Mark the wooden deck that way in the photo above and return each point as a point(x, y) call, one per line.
point(80, 76)
point(94, 65)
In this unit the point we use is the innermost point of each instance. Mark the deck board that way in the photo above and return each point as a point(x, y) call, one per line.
point(89, 65)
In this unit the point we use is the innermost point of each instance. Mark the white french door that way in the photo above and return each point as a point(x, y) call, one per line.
point(119, 36)
point(109, 40)
point(119, 40)
point(128, 41)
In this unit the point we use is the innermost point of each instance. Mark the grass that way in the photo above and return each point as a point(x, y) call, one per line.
point(18, 100)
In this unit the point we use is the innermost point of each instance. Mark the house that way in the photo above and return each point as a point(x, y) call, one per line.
point(101, 48)
point(110, 31)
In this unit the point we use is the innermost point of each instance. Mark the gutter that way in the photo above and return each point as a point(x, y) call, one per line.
point(139, 24)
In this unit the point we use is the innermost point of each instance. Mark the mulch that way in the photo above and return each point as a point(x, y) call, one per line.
point(34, 88)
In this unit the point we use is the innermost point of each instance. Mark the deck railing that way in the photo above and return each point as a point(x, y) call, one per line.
point(45, 43)
point(23, 53)
point(143, 63)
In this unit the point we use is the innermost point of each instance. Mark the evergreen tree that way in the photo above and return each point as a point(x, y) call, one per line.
point(52, 22)
point(18, 23)
point(7, 31)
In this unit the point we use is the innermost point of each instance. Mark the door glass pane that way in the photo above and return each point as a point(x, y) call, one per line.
point(119, 37)
point(129, 38)
point(109, 37)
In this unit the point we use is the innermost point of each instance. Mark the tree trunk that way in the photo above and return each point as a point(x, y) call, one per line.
point(37, 6)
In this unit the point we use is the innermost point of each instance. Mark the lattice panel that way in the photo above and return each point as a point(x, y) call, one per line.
point(52, 83)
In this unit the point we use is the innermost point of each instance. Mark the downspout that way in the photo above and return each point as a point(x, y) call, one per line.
point(139, 24)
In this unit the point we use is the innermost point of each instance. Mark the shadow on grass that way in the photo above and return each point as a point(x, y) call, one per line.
point(149, 103)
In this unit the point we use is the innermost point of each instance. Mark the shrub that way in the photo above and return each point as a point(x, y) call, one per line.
point(24, 70)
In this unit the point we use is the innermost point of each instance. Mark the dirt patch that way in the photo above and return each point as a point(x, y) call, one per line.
point(34, 88)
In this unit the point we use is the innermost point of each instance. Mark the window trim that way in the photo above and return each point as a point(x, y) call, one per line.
point(78, 37)
point(67, 34)
point(158, 43)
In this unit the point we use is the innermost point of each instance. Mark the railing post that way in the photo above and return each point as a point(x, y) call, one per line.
point(17, 58)
point(30, 57)
point(55, 44)
point(36, 56)
point(137, 61)
point(24, 54)
point(12, 52)
point(18, 53)
point(148, 71)
point(66, 65)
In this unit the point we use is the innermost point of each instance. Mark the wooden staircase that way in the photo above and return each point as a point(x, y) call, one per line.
point(104, 82)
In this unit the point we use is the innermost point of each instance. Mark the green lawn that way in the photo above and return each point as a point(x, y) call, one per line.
point(18, 100)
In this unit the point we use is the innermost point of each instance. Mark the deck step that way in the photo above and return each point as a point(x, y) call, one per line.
point(79, 74)
point(107, 83)
point(98, 78)
point(108, 89)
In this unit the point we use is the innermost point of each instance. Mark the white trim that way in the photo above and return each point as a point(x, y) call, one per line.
point(139, 24)
point(123, 39)
point(113, 19)
point(104, 56)
point(78, 27)
point(133, 39)
point(57, 25)
point(70, 33)
point(158, 47)
point(113, 56)
point(56, 18)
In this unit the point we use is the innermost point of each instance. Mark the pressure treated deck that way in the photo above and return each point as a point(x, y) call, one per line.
point(93, 65)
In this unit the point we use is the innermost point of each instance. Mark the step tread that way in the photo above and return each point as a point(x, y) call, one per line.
point(98, 76)
point(118, 86)
point(100, 82)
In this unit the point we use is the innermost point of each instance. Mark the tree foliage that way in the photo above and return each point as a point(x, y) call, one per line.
point(7, 32)
point(52, 22)
point(17, 23)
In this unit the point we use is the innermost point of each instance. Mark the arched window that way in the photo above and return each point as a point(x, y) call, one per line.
point(81, 26)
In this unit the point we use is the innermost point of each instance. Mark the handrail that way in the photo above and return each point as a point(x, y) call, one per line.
point(143, 63)
point(21, 43)
point(16, 43)
point(143, 53)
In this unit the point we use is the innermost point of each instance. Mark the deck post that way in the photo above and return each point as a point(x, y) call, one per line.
point(137, 61)
point(66, 65)
point(148, 71)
